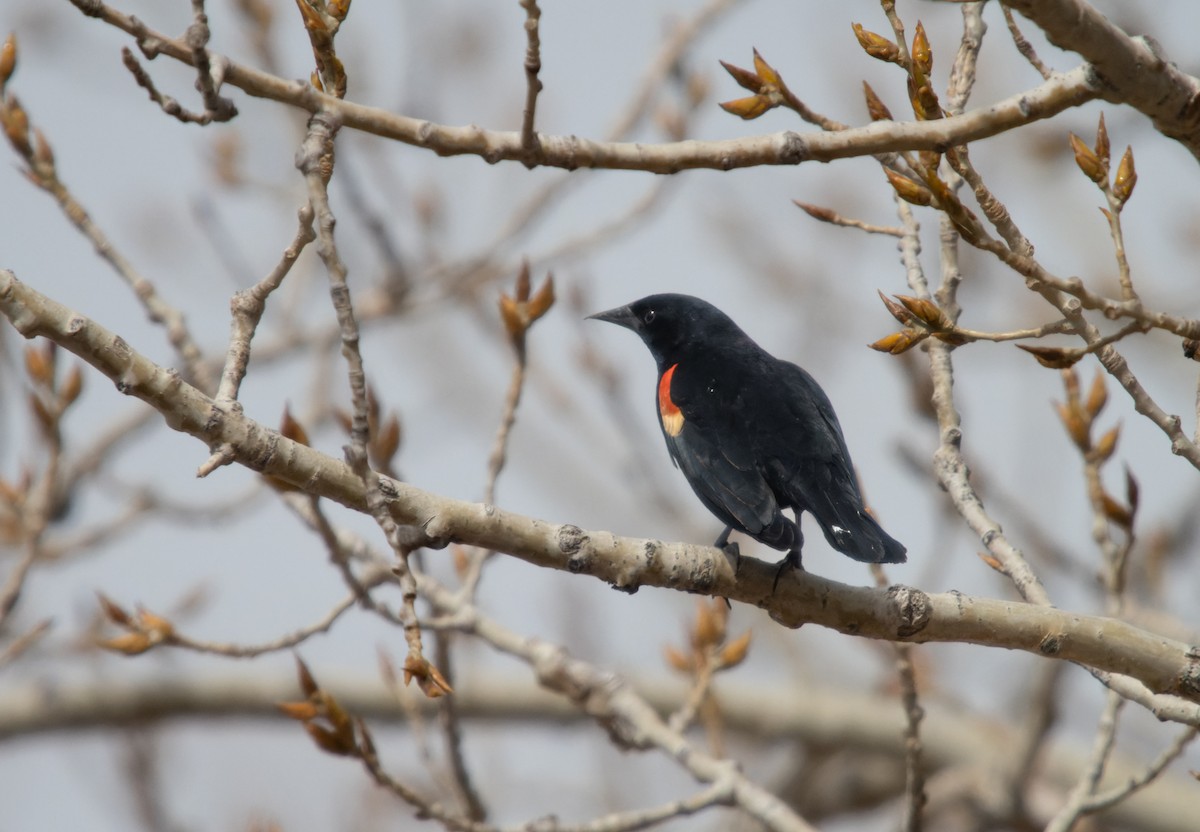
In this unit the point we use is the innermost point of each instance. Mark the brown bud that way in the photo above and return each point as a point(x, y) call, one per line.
point(744, 77)
point(10, 495)
point(523, 282)
point(157, 627)
point(1056, 358)
point(876, 109)
point(922, 55)
point(542, 299)
point(373, 408)
point(925, 310)
point(131, 644)
point(1070, 380)
point(1116, 512)
point(907, 189)
point(899, 312)
point(113, 611)
point(747, 108)
point(46, 418)
point(328, 740)
point(1097, 396)
point(72, 386)
point(301, 711)
point(1076, 424)
point(679, 661)
point(15, 122)
point(735, 652)
point(461, 560)
point(816, 211)
point(429, 679)
point(388, 440)
point(42, 154)
point(1126, 177)
point(307, 683)
point(1087, 160)
point(766, 71)
point(334, 712)
point(339, 8)
point(899, 342)
point(39, 364)
point(1102, 146)
point(1106, 445)
point(291, 427)
point(877, 46)
point(8, 59)
point(992, 562)
point(709, 629)
point(510, 314)
point(1132, 491)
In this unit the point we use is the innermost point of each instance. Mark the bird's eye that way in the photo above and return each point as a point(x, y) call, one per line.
point(648, 316)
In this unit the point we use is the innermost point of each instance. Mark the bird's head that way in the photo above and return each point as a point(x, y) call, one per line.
point(670, 323)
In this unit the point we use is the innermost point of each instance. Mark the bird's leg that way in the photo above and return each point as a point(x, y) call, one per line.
point(792, 559)
point(731, 549)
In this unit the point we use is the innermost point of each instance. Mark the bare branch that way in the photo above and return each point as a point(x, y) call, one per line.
point(899, 613)
point(1130, 70)
point(533, 66)
point(1048, 99)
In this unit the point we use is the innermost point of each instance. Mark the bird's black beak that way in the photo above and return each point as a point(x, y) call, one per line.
point(621, 316)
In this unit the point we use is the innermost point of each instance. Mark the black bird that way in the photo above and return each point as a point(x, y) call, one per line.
point(753, 435)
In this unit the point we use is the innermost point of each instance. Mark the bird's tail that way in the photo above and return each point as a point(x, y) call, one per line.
point(857, 534)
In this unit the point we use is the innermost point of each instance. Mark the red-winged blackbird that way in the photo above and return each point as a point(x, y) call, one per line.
point(753, 435)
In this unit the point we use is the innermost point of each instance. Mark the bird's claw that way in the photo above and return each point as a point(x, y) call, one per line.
point(732, 550)
point(793, 560)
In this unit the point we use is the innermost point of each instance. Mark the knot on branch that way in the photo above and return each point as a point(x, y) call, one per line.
point(1188, 683)
point(912, 609)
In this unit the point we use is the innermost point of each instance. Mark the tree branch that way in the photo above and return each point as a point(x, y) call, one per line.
point(1130, 70)
point(1060, 93)
point(896, 614)
point(809, 714)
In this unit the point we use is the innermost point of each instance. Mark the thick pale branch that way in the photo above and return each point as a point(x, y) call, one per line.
point(899, 613)
point(808, 714)
point(1131, 70)
point(788, 148)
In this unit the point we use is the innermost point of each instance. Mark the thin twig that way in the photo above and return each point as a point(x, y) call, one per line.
point(450, 719)
point(830, 216)
point(315, 160)
point(1102, 748)
point(533, 84)
point(1100, 801)
point(1023, 46)
point(208, 81)
point(169, 105)
point(19, 645)
point(284, 642)
point(249, 305)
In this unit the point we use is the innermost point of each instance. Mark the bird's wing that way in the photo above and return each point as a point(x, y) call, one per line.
point(711, 448)
point(809, 467)
point(800, 443)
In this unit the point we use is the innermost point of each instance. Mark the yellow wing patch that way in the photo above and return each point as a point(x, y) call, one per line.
point(672, 416)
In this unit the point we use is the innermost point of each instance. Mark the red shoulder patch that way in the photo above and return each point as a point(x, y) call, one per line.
point(668, 411)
